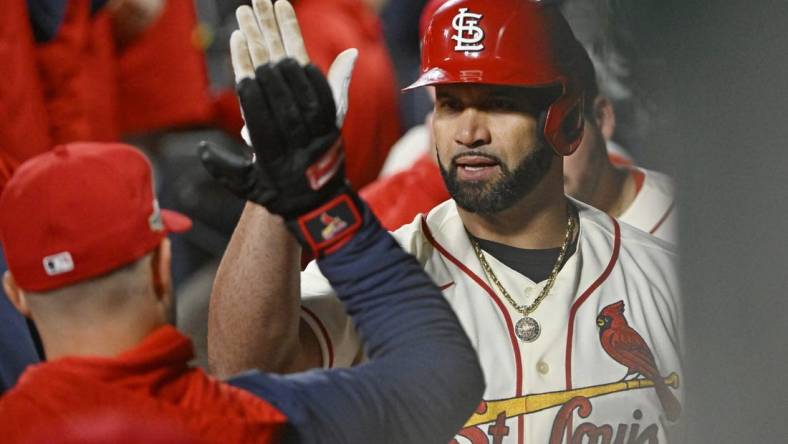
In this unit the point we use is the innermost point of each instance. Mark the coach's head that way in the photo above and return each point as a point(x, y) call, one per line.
point(86, 248)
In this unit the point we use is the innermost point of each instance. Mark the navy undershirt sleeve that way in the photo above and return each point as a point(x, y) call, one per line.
point(422, 380)
point(17, 350)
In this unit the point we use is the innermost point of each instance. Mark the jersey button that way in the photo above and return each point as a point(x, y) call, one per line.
point(542, 367)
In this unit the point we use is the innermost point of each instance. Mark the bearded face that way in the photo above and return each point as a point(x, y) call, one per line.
point(489, 142)
point(502, 190)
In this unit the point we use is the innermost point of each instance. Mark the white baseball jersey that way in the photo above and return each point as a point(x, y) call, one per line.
point(617, 154)
point(654, 207)
point(564, 386)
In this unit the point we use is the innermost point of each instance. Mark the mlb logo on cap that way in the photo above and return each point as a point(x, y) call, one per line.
point(58, 263)
point(80, 211)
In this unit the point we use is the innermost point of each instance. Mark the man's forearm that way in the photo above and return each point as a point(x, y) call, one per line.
point(422, 380)
point(254, 310)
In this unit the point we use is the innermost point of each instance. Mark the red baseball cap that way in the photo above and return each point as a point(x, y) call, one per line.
point(80, 211)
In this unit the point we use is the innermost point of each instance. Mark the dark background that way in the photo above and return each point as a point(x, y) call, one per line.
point(719, 76)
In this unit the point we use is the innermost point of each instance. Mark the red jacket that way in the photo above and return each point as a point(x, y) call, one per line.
point(398, 198)
point(162, 77)
point(24, 127)
point(78, 75)
point(151, 382)
point(372, 125)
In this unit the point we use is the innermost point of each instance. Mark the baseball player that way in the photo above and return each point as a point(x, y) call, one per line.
point(575, 317)
point(640, 197)
point(600, 173)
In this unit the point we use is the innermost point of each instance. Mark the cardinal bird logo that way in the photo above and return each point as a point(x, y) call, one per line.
point(332, 225)
point(628, 348)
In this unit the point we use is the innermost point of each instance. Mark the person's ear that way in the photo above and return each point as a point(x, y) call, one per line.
point(605, 116)
point(162, 273)
point(15, 294)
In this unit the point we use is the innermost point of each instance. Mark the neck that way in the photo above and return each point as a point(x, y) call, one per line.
point(87, 338)
point(537, 221)
point(615, 190)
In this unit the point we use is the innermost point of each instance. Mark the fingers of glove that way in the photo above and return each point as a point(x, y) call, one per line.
point(265, 137)
point(339, 75)
point(229, 168)
point(291, 32)
point(264, 10)
point(247, 22)
point(238, 174)
point(266, 196)
point(239, 52)
point(326, 119)
point(303, 93)
point(284, 107)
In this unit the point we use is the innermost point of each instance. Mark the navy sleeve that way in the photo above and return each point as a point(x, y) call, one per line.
point(423, 379)
point(17, 350)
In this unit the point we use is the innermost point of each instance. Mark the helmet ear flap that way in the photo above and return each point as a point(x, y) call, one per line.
point(563, 127)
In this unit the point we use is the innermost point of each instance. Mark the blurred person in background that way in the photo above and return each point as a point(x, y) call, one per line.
point(372, 125)
point(161, 73)
point(166, 105)
point(637, 196)
point(410, 182)
point(24, 133)
point(398, 197)
point(24, 124)
point(78, 75)
point(401, 29)
point(601, 173)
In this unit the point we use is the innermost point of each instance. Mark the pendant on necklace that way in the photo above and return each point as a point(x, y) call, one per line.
point(527, 329)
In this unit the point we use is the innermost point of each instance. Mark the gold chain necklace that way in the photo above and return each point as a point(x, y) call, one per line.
point(527, 329)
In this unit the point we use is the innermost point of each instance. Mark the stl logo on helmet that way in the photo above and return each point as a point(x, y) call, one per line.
point(469, 35)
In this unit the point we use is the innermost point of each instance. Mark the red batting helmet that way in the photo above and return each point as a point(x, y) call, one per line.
point(426, 15)
point(508, 42)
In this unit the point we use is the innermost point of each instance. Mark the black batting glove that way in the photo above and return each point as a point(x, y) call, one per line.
point(298, 170)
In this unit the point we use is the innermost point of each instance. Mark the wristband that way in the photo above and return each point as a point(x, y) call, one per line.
point(330, 226)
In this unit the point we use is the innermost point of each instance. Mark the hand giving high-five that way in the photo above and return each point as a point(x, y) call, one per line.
point(293, 126)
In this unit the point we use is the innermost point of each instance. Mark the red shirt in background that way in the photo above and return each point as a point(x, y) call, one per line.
point(24, 126)
point(101, 80)
point(372, 124)
point(77, 70)
point(162, 78)
point(151, 382)
point(398, 198)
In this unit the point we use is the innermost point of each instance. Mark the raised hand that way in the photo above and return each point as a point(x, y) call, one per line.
point(292, 123)
point(281, 37)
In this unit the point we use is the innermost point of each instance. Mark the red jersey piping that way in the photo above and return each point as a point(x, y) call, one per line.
point(510, 327)
point(324, 332)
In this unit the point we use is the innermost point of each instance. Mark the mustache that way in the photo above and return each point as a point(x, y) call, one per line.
point(492, 157)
